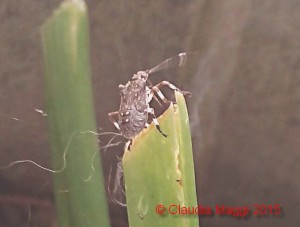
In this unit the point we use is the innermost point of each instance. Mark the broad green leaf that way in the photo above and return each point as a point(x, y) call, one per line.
point(160, 171)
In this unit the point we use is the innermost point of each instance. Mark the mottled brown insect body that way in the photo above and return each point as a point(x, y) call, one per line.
point(133, 112)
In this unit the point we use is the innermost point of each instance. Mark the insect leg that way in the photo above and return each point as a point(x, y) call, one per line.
point(156, 90)
point(171, 86)
point(111, 118)
point(157, 100)
point(128, 144)
point(155, 121)
point(151, 95)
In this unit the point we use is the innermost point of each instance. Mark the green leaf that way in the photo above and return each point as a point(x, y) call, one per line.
point(79, 185)
point(160, 170)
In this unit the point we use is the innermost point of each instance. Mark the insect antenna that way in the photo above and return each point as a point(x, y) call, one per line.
point(173, 62)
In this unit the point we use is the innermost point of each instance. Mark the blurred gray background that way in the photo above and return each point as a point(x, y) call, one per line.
point(244, 113)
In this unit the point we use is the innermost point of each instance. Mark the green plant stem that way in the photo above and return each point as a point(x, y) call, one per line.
point(78, 182)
